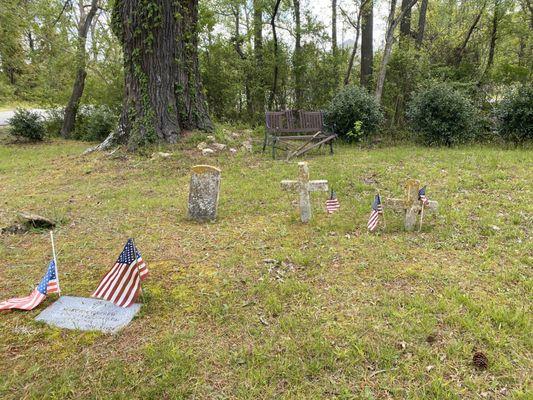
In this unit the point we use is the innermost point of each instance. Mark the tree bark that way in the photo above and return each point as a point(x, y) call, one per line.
point(259, 90)
point(334, 26)
point(357, 26)
point(163, 93)
point(421, 23)
point(73, 104)
point(405, 24)
point(459, 52)
point(389, 39)
point(493, 34)
point(367, 45)
point(274, 89)
point(297, 57)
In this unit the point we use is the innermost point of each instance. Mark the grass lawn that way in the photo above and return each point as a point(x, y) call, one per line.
point(341, 314)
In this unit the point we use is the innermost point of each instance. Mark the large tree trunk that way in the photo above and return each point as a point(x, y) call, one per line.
point(367, 45)
point(163, 93)
point(73, 104)
point(421, 23)
point(297, 57)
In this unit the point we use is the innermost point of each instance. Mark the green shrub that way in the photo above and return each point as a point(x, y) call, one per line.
point(354, 114)
point(54, 121)
point(27, 124)
point(515, 115)
point(443, 116)
point(94, 123)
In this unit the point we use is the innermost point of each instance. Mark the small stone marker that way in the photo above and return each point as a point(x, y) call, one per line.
point(203, 193)
point(88, 314)
point(411, 205)
point(304, 186)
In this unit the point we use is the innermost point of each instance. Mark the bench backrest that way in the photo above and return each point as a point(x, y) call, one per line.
point(294, 121)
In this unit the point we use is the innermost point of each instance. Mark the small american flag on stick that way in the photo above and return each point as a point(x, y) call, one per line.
point(377, 210)
point(422, 196)
point(49, 284)
point(332, 204)
point(122, 283)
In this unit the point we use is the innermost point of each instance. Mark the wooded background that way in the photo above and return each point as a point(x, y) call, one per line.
point(273, 54)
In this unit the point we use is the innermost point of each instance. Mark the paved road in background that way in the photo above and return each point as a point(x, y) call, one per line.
point(5, 115)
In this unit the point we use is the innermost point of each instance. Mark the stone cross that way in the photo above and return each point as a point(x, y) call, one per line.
point(411, 205)
point(204, 190)
point(304, 186)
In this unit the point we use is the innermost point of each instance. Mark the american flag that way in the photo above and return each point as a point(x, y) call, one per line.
point(422, 196)
point(377, 210)
point(122, 283)
point(332, 204)
point(49, 284)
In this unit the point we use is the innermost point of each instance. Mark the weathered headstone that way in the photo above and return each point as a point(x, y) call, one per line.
point(203, 193)
point(411, 205)
point(88, 314)
point(304, 187)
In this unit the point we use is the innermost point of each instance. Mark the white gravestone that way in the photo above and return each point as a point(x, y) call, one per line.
point(87, 314)
point(203, 193)
point(304, 187)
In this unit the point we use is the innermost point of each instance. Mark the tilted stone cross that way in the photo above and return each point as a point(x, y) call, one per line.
point(304, 186)
point(411, 205)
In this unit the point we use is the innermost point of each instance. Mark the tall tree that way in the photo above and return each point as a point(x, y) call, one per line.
point(493, 34)
point(367, 44)
point(357, 26)
point(274, 88)
point(297, 57)
point(259, 89)
point(84, 22)
point(334, 27)
point(459, 52)
point(392, 23)
point(422, 12)
point(405, 24)
point(163, 94)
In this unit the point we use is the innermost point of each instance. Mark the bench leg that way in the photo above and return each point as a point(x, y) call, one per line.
point(331, 147)
point(265, 142)
point(274, 143)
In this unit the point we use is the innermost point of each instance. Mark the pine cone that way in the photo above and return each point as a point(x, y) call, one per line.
point(480, 360)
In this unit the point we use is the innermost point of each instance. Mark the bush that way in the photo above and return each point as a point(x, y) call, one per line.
point(354, 114)
point(54, 121)
point(443, 116)
point(94, 123)
point(515, 115)
point(27, 124)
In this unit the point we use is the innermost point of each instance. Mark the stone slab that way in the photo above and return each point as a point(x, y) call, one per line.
point(204, 192)
point(87, 314)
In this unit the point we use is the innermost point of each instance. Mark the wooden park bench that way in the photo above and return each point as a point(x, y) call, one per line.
point(285, 127)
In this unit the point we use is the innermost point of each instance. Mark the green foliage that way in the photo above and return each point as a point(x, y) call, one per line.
point(442, 116)
point(515, 115)
point(27, 124)
point(94, 123)
point(354, 114)
point(53, 121)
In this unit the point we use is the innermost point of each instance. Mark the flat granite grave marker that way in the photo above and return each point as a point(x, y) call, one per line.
point(87, 314)
point(204, 190)
point(304, 186)
point(411, 204)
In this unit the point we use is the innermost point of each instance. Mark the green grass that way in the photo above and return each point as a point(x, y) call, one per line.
point(347, 313)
